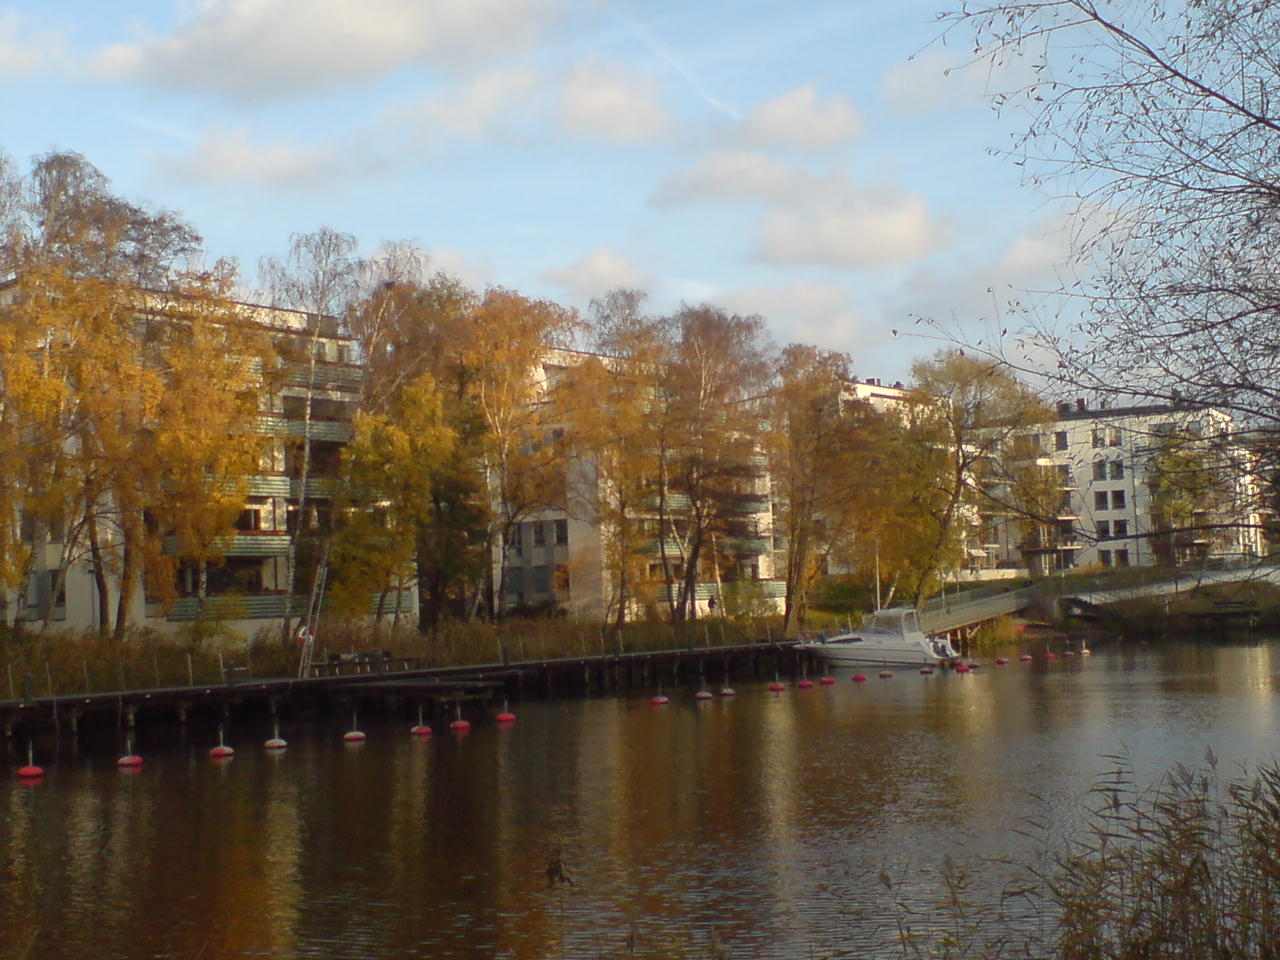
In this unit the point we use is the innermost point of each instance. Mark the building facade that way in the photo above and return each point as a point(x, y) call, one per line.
point(1107, 477)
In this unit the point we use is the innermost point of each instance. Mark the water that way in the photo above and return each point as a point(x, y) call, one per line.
point(767, 819)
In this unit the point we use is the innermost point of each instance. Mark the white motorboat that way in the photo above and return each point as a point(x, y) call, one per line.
point(891, 636)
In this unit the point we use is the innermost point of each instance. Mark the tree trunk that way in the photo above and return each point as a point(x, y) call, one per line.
point(291, 565)
point(128, 576)
point(99, 574)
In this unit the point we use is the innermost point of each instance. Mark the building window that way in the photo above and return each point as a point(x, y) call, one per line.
point(1097, 439)
point(1060, 440)
point(1064, 475)
point(1104, 530)
point(515, 580)
point(1117, 469)
point(1122, 558)
point(1104, 557)
point(517, 539)
point(1121, 528)
point(539, 534)
point(1117, 499)
point(1099, 469)
point(1113, 436)
point(1100, 500)
point(562, 533)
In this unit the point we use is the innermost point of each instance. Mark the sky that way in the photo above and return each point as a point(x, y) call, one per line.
point(826, 164)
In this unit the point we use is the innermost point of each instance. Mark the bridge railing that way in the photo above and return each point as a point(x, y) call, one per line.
point(948, 613)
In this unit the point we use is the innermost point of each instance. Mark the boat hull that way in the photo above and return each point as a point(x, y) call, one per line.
point(860, 653)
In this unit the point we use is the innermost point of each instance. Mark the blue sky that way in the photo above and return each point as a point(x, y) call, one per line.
point(811, 162)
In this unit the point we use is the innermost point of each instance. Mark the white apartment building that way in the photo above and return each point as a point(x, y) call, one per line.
point(248, 589)
point(559, 558)
point(1102, 459)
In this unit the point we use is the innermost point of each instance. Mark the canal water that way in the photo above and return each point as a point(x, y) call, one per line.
point(765, 825)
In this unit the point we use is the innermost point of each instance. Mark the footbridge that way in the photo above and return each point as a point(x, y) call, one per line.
point(1102, 590)
point(948, 613)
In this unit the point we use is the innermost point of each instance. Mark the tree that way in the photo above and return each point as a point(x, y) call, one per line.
point(1159, 121)
point(967, 414)
point(605, 404)
point(707, 414)
point(391, 477)
point(503, 353)
point(825, 451)
point(319, 277)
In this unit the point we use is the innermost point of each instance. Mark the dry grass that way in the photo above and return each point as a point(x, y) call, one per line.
point(1188, 870)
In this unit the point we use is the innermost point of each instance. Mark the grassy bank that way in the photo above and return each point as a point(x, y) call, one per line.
point(1213, 609)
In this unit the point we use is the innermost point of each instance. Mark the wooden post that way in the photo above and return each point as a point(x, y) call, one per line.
point(191, 674)
point(87, 685)
point(13, 695)
point(155, 665)
point(222, 667)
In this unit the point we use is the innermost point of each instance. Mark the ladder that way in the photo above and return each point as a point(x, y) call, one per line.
point(312, 620)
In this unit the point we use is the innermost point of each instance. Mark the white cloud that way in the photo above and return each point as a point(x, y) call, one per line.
point(475, 272)
point(26, 50)
point(597, 273)
point(260, 49)
point(731, 175)
point(940, 79)
point(862, 228)
point(474, 109)
point(807, 312)
point(819, 218)
point(800, 119)
point(230, 156)
point(604, 101)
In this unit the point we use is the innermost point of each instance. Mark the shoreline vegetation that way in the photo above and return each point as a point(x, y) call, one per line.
point(41, 663)
point(1187, 868)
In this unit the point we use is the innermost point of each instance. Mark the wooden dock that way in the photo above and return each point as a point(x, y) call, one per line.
point(401, 684)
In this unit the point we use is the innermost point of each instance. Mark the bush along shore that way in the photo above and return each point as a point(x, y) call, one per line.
point(1186, 870)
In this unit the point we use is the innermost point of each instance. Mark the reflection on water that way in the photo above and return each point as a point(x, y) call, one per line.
point(767, 818)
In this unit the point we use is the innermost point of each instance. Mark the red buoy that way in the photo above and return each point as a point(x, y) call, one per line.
point(702, 695)
point(275, 743)
point(1051, 655)
point(354, 736)
point(506, 716)
point(130, 761)
point(827, 681)
point(1025, 658)
point(886, 674)
point(1001, 661)
point(859, 678)
point(728, 692)
point(222, 752)
point(805, 684)
point(658, 699)
point(1068, 653)
point(460, 726)
point(420, 730)
point(30, 772)
point(776, 686)
point(927, 671)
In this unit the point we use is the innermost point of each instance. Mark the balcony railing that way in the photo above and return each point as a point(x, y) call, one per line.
point(266, 606)
point(338, 431)
point(328, 376)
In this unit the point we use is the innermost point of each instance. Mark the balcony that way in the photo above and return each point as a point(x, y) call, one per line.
point(751, 547)
point(254, 544)
point(267, 485)
point(318, 488)
point(337, 431)
point(250, 543)
point(328, 376)
point(266, 606)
